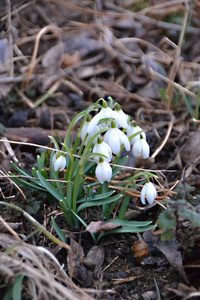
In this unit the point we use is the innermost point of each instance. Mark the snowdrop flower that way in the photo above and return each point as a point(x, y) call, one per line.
point(141, 148)
point(121, 113)
point(59, 162)
point(105, 113)
point(102, 148)
point(131, 130)
point(115, 138)
point(148, 193)
point(103, 171)
point(84, 131)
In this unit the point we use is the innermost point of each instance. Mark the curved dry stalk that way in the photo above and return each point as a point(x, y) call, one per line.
point(165, 139)
point(10, 229)
point(175, 65)
point(36, 46)
point(172, 83)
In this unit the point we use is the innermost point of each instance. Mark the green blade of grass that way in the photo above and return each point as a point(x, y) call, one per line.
point(97, 203)
point(17, 288)
point(59, 232)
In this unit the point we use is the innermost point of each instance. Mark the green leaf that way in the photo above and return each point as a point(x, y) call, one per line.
point(26, 183)
point(125, 230)
point(44, 173)
point(132, 229)
point(19, 170)
point(163, 94)
point(48, 186)
point(8, 295)
point(97, 203)
point(192, 216)
point(59, 232)
point(34, 172)
point(88, 166)
point(17, 288)
point(167, 222)
point(40, 163)
point(188, 104)
point(54, 141)
point(121, 162)
point(130, 223)
point(96, 197)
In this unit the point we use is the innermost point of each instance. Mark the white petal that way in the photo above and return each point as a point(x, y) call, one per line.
point(143, 194)
point(59, 163)
point(124, 140)
point(107, 171)
point(141, 148)
point(148, 192)
point(103, 172)
point(84, 130)
point(145, 149)
point(151, 192)
point(131, 130)
point(120, 121)
point(99, 174)
point(137, 149)
point(112, 139)
point(104, 149)
point(94, 122)
point(122, 114)
point(54, 157)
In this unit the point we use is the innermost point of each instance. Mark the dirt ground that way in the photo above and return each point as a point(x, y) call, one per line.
point(56, 58)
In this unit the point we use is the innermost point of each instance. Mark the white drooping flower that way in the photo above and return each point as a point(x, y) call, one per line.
point(105, 113)
point(103, 171)
point(141, 148)
point(120, 112)
point(133, 129)
point(84, 131)
point(59, 162)
point(116, 138)
point(102, 148)
point(148, 193)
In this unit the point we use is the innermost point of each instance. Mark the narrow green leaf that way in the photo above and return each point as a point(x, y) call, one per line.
point(34, 172)
point(125, 230)
point(130, 223)
point(163, 94)
point(44, 173)
point(54, 141)
point(8, 295)
point(132, 229)
point(57, 194)
point(96, 197)
point(97, 203)
point(26, 183)
point(188, 104)
point(59, 232)
point(17, 288)
point(19, 170)
point(121, 162)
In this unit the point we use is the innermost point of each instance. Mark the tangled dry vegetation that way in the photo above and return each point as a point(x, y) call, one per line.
point(57, 57)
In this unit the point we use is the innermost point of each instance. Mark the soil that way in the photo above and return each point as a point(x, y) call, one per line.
point(88, 50)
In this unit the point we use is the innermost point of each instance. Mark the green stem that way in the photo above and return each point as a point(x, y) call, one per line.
point(105, 207)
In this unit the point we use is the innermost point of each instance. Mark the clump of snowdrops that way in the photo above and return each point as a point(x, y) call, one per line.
point(80, 171)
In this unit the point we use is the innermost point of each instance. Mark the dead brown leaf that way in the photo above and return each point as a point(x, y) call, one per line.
point(94, 259)
point(173, 255)
point(97, 226)
point(11, 225)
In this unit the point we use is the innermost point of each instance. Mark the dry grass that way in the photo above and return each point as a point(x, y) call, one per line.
point(92, 49)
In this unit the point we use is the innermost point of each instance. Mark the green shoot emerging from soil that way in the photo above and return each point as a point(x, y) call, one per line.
point(79, 173)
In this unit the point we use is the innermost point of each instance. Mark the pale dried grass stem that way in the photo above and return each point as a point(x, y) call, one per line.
point(36, 46)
